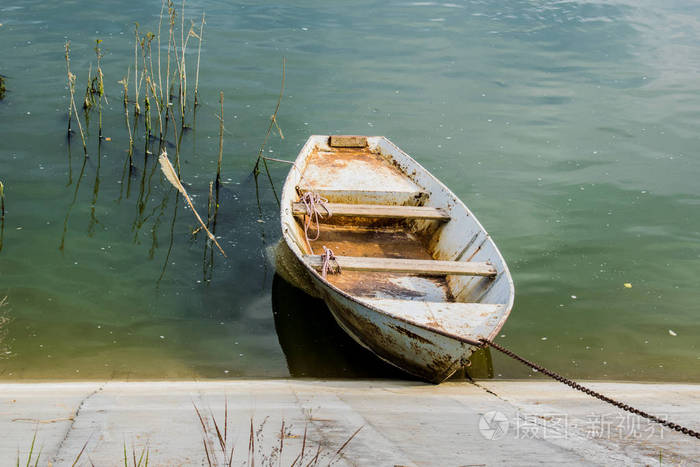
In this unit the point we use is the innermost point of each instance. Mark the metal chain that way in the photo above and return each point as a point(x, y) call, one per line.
point(591, 392)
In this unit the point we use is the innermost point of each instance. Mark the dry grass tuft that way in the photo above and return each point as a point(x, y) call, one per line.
point(219, 449)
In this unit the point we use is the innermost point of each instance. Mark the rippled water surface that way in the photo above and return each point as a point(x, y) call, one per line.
point(571, 129)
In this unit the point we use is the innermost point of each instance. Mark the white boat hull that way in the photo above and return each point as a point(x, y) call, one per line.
point(430, 352)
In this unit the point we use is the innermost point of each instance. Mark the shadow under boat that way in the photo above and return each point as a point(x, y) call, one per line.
point(315, 346)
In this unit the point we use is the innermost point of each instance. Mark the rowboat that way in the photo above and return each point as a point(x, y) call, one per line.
point(403, 265)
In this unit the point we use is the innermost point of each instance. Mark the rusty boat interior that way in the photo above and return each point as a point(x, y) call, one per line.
point(402, 243)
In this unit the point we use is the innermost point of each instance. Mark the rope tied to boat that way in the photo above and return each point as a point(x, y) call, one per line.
point(326, 265)
point(313, 203)
point(573, 384)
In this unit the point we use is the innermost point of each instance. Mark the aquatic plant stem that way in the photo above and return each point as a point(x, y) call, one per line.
point(273, 121)
point(88, 100)
point(2, 202)
point(160, 81)
point(71, 88)
point(70, 85)
point(150, 84)
point(137, 108)
point(206, 244)
point(72, 203)
point(199, 53)
point(182, 69)
point(125, 82)
point(221, 140)
point(171, 175)
point(80, 126)
point(167, 61)
point(100, 84)
point(146, 46)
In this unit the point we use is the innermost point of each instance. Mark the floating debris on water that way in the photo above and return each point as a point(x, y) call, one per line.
point(628, 285)
point(672, 333)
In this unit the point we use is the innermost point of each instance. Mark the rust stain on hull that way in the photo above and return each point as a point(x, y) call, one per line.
point(410, 334)
point(426, 359)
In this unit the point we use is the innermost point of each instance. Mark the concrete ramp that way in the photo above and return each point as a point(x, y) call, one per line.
point(399, 423)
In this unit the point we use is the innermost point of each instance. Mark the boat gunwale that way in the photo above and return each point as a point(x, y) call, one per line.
point(286, 214)
point(459, 202)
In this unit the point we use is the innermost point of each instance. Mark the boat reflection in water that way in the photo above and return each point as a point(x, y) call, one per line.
point(315, 346)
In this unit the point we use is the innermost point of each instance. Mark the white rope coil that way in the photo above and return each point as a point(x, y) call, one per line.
point(327, 266)
point(313, 203)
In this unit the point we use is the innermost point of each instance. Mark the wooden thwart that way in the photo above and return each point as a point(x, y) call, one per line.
point(347, 141)
point(379, 210)
point(411, 266)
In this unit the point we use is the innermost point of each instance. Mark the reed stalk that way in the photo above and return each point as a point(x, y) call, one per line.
point(151, 84)
point(147, 106)
point(95, 192)
point(89, 99)
point(137, 107)
point(179, 76)
point(182, 68)
point(218, 177)
point(172, 238)
point(77, 119)
point(273, 121)
point(206, 244)
point(211, 197)
point(183, 73)
point(177, 138)
point(71, 88)
point(125, 82)
point(2, 202)
point(160, 81)
point(171, 25)
point(70, 163)
point(72, 203)
point(134, 127)
point(171, 176)
point(199, 53)
point(70, 84)
point(221, 140)
point(100, 83)
point(144, 76)
point(179, 69)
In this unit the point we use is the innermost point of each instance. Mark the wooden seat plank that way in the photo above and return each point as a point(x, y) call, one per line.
point(379, 210)
point(410, 266)
point(347, 141)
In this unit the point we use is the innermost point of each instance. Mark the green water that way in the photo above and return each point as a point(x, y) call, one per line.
point(569, 128)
